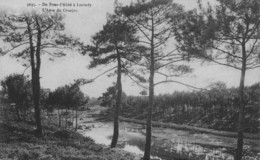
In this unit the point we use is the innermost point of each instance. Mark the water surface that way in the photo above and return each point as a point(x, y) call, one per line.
point(167, 144)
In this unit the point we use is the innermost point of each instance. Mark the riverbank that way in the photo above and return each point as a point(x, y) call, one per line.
point(192, 128)
point(168, 143)
point(17, 141)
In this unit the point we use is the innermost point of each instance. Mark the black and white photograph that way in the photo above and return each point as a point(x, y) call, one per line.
point(129, 79)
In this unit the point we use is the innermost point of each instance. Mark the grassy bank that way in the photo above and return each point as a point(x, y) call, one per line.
point(17, 141)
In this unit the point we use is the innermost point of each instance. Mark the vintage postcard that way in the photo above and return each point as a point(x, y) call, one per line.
point(130, 79)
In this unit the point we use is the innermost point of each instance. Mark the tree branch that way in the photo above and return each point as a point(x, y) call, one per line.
point(104, 73)
point(54, 55)
point(221, 50)
point(26, 69)
point(168, 54)
point(137, 82)
point(173, 75)
point(252, 48)
point(139, 28)
point(187, 85)
point(161, 66)
point(16, 47)
point(253, 67)
point(84, 81)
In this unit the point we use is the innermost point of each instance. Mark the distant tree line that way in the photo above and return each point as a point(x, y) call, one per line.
point(68, 97)
point(215, 108)
point(18, 91)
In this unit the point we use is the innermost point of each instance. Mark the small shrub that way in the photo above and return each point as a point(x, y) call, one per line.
point(28, 155)
point(63, 134)
point(24, 155)
point(86, 153)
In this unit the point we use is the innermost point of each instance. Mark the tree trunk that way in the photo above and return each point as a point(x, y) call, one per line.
point(118, 101)
point(147, 151)
point(35, 66)
point(149, 120)
point(240, 136)
point(36, 99)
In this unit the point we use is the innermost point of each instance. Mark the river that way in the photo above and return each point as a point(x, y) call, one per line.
point(168, 144)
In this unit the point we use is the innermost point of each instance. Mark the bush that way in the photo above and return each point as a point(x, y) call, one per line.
point(28, 155)
point(62, 134)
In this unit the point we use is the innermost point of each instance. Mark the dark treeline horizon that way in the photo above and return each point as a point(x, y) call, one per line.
point(215, 108)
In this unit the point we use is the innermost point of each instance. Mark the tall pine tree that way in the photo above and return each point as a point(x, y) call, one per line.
point(227, 34)
point(152, 19)
point(115, 43)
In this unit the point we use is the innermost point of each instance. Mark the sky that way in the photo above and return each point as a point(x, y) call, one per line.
point(86, 22)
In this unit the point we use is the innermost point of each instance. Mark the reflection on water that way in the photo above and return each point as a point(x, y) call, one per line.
point(170, 150)
point(133, 140)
